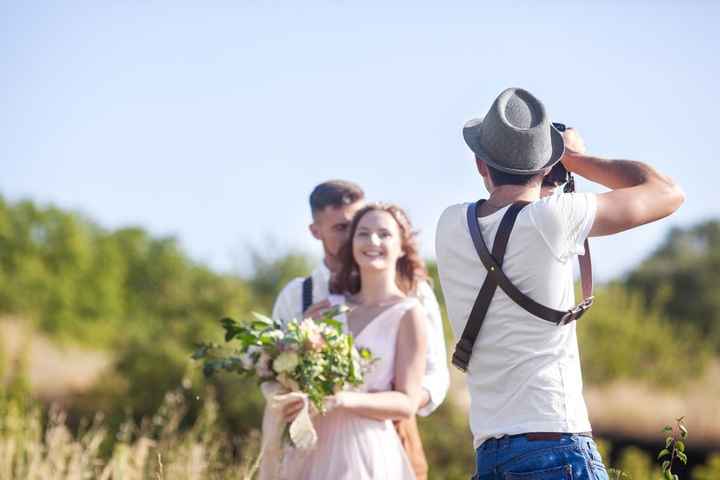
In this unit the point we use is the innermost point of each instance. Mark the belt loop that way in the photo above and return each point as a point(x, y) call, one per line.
point(504, 442)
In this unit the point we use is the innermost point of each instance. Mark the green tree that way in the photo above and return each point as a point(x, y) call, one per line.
point(681, 278)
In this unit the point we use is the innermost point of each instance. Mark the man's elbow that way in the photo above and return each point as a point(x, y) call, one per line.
point(673, 196)
point(678, 196)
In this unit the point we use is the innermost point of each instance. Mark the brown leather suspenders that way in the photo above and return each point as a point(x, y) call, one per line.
point(307, 293)
point(497, 278)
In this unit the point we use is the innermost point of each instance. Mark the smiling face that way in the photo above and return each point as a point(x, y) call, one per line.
point(377, 243)
point(331, 226)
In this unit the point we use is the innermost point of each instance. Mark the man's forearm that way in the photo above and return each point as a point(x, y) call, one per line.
point(613, 174)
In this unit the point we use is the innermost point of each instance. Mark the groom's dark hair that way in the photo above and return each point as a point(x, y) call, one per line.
point(334, 193)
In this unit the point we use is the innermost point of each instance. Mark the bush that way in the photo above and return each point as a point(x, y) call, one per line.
point(709, 471)
point(620, 338)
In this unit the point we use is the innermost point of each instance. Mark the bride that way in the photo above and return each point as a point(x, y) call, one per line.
point(356, 437)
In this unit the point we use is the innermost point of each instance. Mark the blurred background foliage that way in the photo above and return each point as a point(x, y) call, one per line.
point(142, 300)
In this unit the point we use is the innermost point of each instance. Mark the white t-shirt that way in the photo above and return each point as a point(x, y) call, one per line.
point(436, 381)
point(524, 374)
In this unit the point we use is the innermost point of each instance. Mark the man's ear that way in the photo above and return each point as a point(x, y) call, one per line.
point(482, 167)
point(315, 231)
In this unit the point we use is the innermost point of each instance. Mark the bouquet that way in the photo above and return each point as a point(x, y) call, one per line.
point(313, 357)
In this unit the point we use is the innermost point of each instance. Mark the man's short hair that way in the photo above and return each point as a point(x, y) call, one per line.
point(334, 193)
point(503, 178)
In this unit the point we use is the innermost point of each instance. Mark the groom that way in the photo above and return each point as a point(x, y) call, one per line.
point(527, 412)
point(333, 204)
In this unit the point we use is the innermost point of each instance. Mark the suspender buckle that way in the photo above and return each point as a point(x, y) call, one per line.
point(461, 356)
point(577, 312)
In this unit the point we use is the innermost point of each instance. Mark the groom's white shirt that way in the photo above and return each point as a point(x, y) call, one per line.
point(437, 378)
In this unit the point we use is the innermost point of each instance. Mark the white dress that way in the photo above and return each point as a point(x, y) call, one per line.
point(352, 446)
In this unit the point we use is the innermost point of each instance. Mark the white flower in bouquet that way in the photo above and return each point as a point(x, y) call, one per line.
point(286, 362)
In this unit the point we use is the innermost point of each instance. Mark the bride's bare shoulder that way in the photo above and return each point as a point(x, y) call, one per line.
point(413, 321)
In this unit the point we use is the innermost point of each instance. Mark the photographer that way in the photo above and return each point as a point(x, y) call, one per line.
point(505, 265)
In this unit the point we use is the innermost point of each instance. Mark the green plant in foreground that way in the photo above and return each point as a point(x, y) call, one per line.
point(634, 461)
point(618, 474)
point(674, 447)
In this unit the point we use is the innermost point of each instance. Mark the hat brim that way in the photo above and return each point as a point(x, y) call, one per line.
point(471, 134)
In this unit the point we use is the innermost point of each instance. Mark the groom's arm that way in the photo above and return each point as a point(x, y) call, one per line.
point(436, 381)
point(288, 304)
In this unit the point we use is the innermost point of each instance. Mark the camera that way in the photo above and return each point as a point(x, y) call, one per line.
point(558, 174)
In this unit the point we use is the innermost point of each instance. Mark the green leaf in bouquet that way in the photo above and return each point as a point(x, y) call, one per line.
point(260, 326)
point(269, 337)
point(246, 338)
point(202, 350)
point(211, 366)
point(259, 317)
point(228, 322)
point(232, 328)
point(335, 311)
point(337, 325)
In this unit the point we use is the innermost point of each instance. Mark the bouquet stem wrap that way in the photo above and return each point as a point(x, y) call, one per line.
point(302, 432)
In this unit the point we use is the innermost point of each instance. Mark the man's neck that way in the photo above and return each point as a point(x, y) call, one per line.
point(332, 264)
point(504, 195)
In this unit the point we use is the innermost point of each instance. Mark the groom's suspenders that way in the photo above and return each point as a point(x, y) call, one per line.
point(307, 293)
point(496, 278)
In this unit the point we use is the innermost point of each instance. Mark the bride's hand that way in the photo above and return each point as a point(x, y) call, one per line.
point(339, 400)
point(291, 409)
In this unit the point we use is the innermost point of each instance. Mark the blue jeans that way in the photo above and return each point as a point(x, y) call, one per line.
point(515, 457)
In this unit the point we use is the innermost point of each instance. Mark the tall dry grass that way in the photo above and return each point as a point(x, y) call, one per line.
point(156, 449)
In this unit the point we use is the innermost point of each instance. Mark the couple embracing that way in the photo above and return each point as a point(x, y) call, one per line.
point(527, 413)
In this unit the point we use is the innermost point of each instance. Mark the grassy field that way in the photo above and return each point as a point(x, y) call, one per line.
point(37, 442)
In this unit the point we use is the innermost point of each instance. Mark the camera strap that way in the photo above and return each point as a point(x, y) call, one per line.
point(496, 278)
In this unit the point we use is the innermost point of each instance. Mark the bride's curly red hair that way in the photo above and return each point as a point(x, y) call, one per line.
point(410, 268)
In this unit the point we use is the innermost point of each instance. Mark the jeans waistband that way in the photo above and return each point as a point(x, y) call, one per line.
point(507, 440)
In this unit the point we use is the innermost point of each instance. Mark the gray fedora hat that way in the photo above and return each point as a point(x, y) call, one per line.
point(516, 135)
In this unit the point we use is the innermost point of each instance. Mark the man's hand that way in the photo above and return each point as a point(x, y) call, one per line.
point(574, 145)
point(317, 310)
point(574, 142)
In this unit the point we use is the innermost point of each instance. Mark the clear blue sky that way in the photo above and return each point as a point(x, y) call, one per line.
point(213, 123)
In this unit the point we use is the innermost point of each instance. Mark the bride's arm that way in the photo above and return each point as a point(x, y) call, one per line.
point(408, 395)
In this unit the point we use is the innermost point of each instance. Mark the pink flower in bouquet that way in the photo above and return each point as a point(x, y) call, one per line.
point(313, 334)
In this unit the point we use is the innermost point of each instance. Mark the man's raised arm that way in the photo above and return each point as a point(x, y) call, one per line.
point(640, 194)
